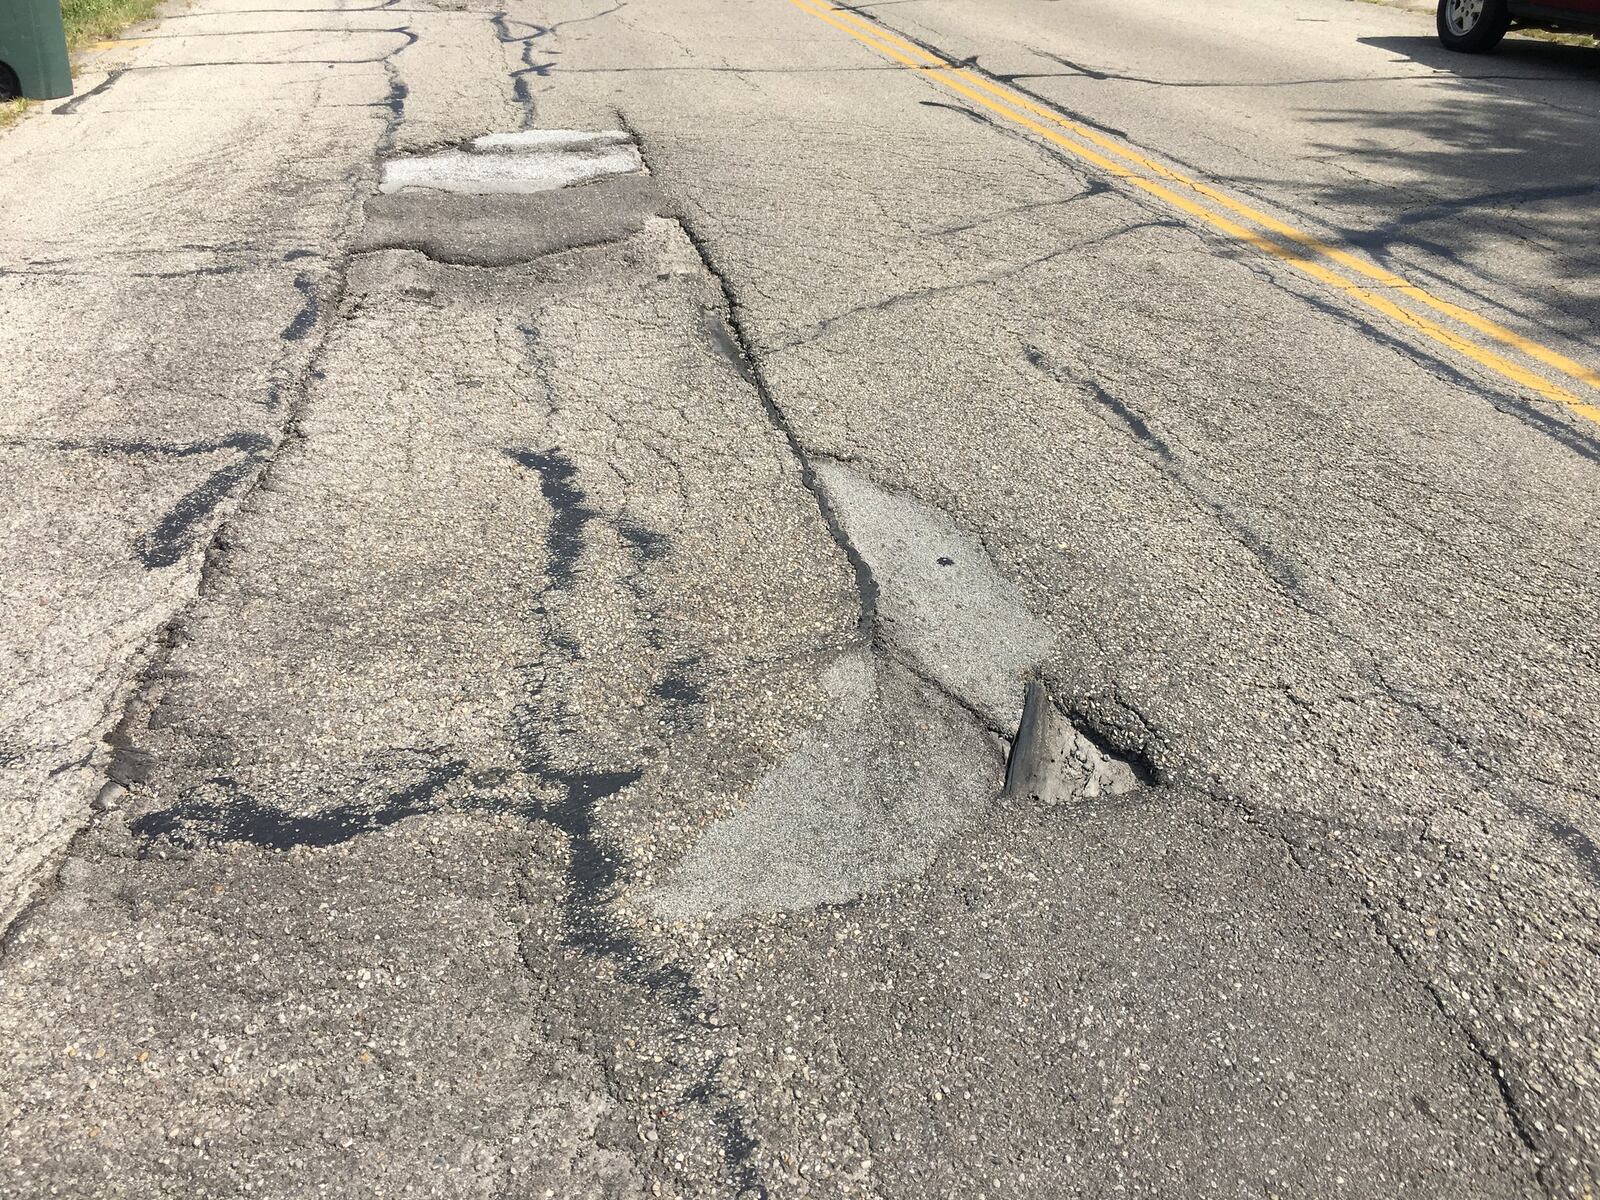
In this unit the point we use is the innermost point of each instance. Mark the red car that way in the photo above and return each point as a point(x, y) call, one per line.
point(1473, 26)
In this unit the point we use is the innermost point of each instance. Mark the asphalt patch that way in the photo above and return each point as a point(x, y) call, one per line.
point(503, 230)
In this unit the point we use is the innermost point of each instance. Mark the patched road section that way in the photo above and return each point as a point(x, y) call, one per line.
point(471, 644)
point(617, 601)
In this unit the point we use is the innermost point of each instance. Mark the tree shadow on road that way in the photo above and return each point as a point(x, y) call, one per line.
point(1502, 146)
point(1516, 58)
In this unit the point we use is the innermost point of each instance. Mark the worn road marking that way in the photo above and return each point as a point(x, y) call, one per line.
point(1306, 252)
point(117, 44)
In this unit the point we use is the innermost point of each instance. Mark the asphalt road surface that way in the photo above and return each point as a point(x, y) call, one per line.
point(753, 598)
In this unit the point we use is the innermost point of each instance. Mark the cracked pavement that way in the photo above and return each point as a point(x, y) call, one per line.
point(611, 600)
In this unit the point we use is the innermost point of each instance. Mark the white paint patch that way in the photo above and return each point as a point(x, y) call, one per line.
point(538, 160)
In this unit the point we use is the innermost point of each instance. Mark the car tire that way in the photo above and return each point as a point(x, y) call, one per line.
point(1472, 26)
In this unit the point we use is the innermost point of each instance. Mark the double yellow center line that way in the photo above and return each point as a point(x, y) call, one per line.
point(1328, 264)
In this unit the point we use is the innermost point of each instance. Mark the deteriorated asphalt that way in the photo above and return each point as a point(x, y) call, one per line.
point(533, 532)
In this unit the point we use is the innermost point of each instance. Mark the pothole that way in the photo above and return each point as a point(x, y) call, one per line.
point(535, 160)
point(506, 229)
point(1054, 762)
point(905, 759)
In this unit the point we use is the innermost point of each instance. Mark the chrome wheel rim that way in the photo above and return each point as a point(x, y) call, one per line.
point(1462, 15)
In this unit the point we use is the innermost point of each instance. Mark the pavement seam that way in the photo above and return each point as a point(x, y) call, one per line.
point(750, 366)
point(157, 652)
point(294, 394)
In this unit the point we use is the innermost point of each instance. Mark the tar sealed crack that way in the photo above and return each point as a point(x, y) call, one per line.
point(677, 687)
point(238, 817)
point(542, 733)
point(306, 319)
point(521, 89)
point(569, 515)
point(72, 105)
point(174, 534)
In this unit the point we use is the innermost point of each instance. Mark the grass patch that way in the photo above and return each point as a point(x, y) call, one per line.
point(86, 22)
point(93, 20)
point(1563, 39)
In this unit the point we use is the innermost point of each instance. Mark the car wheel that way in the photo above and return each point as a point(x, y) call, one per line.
point(1472, 26)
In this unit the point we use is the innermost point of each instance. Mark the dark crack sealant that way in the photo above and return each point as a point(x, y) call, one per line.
point(594, 866)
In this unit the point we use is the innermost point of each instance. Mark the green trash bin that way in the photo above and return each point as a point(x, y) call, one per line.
point(33, 50)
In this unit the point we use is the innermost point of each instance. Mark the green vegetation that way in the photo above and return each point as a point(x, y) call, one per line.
point(87, 21)
point(91, 20)
point(1565, 39)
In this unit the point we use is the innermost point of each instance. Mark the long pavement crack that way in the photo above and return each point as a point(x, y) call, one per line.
point(733, 339)
point(1521, 1123)
point(1271, 824)
point(742, 352)
point(170, 542)
point(161, 547)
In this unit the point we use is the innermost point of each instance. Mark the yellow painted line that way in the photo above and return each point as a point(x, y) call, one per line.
point(118, 44)
point(1380, 275)
point(1302, 254)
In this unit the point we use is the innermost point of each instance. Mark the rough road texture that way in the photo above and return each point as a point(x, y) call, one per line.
point(509, 694)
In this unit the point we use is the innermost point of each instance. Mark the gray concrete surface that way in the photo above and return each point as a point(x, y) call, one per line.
point(485, 712)
point(530, 160)
point(936, 598)
point(865, 800)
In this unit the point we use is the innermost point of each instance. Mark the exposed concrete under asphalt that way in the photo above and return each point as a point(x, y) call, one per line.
point(534, 160)
point(869, 796)
point(486, 713)
point(940, 602)
point(865, 800)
